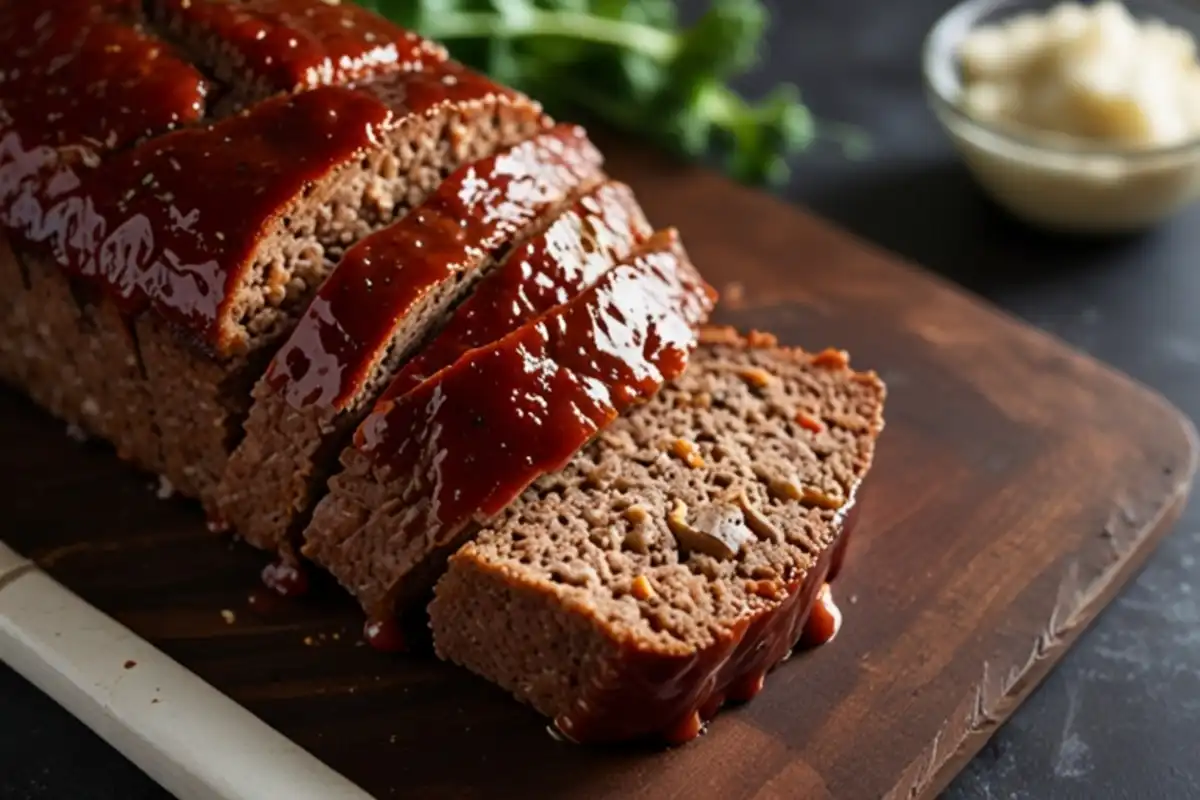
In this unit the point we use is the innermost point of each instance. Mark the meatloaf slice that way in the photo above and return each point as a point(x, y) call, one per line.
point(675, 559)
point(601, 229)
point(387, 294)
point(264, 47)
point(467, 441)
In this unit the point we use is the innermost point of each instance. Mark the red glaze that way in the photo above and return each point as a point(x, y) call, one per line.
point(385, 636)
point(467, 441)
point(824, 621)
point(548, 270)
point(176, 223)
point(473, 215)
point(285, 45)
point(75, 81)
point(81, 73)
point(285, 579)
point(670, 697)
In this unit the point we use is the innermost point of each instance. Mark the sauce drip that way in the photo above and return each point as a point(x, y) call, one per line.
point(824, 621)
point(472, 216)
point(466, 442)
point(286, 45)
point(548, 270)
point(384, 635)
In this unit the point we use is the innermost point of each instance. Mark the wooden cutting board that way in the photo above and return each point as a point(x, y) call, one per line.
point(1018, 486)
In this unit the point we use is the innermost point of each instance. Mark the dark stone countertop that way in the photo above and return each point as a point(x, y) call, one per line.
point(1120, 716)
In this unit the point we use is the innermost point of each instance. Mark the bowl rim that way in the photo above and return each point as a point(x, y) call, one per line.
point(940, 78)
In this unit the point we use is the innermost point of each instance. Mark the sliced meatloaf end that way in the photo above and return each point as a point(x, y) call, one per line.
point(388, 293)
point(601, 229)
point(260, 48)
point(224, 232)
point(674, 560)
point(466, 442)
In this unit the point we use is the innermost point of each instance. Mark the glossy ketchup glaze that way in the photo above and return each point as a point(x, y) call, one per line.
point(80, 73)
point(176, 222)
point(79, 79)
point(601, 228)
point(467, 441)
point(472, 216)
point(286, 45)
point(672, 698)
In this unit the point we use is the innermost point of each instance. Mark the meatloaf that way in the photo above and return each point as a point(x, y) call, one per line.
point(186, 186)
point(390, 291)
point(223, 231)
point(463, 444)
point(675, 559)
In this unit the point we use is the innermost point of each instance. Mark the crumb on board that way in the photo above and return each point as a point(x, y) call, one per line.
point(166, 489)
point(228, 615)
point(130, 664)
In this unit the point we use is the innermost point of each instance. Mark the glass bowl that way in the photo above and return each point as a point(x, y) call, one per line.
point(1059, 183)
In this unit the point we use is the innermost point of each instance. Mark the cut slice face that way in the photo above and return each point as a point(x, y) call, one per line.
point(675, 559)
point(426, 466)
point(388, 294)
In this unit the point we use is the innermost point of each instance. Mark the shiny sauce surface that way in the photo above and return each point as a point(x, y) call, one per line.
point(601, 229)
point(472, 216)
point(176, 222)
point(79, 79)
point(287, 45)
point(79, 73)
point(466, 442)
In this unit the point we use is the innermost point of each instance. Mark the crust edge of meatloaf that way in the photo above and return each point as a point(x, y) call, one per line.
point(550, 632)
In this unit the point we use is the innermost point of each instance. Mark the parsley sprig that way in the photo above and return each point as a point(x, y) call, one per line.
point(630, 64)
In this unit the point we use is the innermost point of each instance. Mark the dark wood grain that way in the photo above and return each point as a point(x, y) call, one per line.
point(1017, 487)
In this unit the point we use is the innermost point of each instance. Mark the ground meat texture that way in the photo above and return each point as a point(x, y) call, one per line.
point(583, 597)
point(389, 294)
point(467, 441)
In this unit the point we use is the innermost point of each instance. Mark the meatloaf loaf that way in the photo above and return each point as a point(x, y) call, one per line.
point(388, 293)
point(427, 465)
point(186, 186)
point(675, 559)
